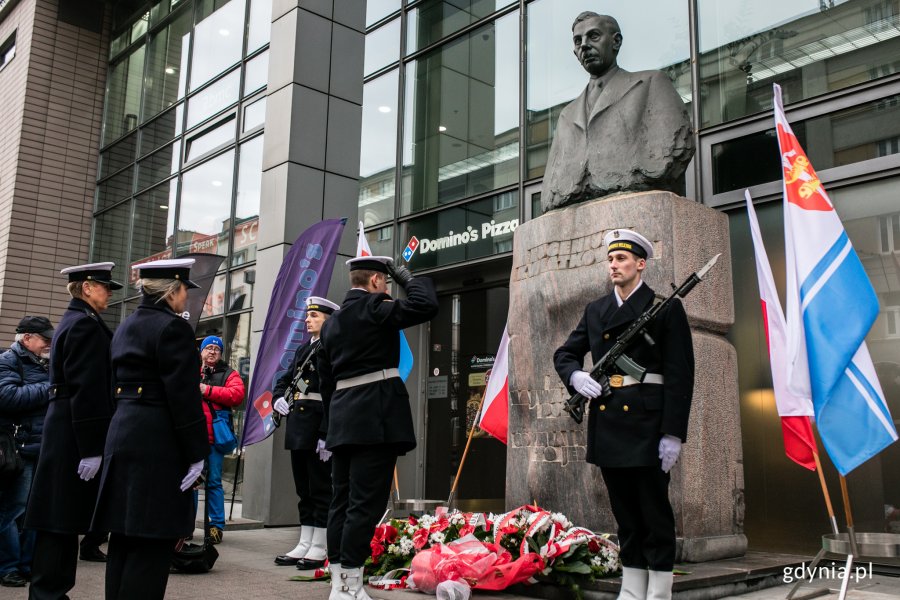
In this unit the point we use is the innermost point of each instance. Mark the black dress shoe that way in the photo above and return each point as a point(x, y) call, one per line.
point(13, 579)
point(305, 564)
point(92, 555)
point(283, 560)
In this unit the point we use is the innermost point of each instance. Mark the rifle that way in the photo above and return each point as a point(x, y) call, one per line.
point(297, 384)
point(616, 357)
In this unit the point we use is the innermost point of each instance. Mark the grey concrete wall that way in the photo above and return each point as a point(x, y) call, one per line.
point(310, 173)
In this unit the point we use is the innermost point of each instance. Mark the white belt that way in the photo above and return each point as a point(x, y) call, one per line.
point(617, 381)
point(309, 396)
point(381, 375)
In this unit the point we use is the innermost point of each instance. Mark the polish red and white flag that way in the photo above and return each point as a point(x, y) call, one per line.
point(794, 409)
point(495, 411)
point(362, 244)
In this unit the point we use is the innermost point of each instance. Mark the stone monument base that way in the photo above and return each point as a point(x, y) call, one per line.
point(559, 265)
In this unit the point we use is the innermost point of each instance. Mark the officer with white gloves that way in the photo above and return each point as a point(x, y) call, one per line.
point(298, 399)
point(635, 428)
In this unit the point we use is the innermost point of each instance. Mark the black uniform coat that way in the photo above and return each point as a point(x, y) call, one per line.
point(305, 418)
point(158, 428)
point(361, 338)
point(76, 423)
point(620, 437)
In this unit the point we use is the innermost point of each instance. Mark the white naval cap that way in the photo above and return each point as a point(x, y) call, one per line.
point(626, 239)
point(170, 268)
point(100, 272)
point(370, 263)
point(322, 305)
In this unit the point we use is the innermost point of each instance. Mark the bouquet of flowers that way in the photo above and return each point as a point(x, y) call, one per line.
point(563, 553)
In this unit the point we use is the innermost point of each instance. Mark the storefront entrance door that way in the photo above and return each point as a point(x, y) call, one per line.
point(464, 339)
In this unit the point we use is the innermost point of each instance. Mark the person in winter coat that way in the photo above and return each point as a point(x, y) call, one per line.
point(222, 389)
point(157, 441)
point(65, 484)
point(24, 393)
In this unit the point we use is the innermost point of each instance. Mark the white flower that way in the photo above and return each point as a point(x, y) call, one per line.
point(561, 519)
point(393, 549)
point(406, 546)
point(457, 518)
point(410, 529)
point(426, 521)
point(437, 538)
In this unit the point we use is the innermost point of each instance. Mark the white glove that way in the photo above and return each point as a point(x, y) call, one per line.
point(88, 467)
point(585, 385)
point(281, 406)
point(193, 473)
point(669, 451)
point(324, 454)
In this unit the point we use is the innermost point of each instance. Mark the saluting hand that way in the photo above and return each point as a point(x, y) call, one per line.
point(88, 467)
point(193, 473)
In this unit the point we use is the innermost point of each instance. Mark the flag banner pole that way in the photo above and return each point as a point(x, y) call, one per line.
point(396, 483)
point(849, 512)
point(828, 505)
point(465, 452)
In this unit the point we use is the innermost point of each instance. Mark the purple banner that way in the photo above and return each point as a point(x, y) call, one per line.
point(306, 271)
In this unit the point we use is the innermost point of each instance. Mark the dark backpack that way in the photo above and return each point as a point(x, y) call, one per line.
point(11, 464)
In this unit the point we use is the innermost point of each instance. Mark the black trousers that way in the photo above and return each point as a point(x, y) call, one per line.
point(361, 477)
point(312, 480)
point(639, 497)
point(53, 566)
point(93, 540)
point(137, 568)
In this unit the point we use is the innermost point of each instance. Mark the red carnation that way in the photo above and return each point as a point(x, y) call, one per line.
point(509, 530)
point(466, 530)
point(593, 546)
point(377, 550)
point(420, 538)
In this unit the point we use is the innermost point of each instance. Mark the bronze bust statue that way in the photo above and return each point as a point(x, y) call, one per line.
point(626, 132)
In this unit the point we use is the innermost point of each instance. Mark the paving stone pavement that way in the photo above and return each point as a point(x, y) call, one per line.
point(245, 571)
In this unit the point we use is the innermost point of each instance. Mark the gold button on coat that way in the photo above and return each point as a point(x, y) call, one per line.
point(605, 336)
point(118, 390)
point(602, 407)
point(625, 408)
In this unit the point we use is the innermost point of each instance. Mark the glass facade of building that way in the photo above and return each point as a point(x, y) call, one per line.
point(181, 162)
point(460, 100)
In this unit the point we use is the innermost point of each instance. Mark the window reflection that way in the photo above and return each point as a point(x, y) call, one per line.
point(123, 96)
point(382, 47)
point(218, 41)
point(116, 188)
point(254, 115)
point(118, 156)
point(211, 138)
point(259, 24)
point(204, 222)
point(213, 99)
point(809, 48)
point(860, 133)
point(461, 133)
point(166, 60)
point(246, 212)
point(159, 165)
point(376, 10)
point(242, 284)
point(151, 236)
point(378, 153)
point(433, 20)
point(111, 232)
point(555, 77)
point(161, 130)
point(256, 73)
point(215, 300)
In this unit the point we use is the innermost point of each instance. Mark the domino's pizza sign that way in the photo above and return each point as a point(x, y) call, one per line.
point(410, 248)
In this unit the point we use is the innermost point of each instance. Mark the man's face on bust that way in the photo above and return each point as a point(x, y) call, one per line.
point(596, 45)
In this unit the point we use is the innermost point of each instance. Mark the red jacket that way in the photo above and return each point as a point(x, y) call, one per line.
point(225, 396)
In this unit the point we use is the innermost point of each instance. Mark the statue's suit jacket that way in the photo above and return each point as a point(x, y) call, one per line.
point(637, 137)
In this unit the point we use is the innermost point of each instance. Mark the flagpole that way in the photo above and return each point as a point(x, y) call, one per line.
point(828, 505)
point(847, 510)
point(465, 452)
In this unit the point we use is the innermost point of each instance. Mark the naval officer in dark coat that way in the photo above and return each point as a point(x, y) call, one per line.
point(309, 458)
point(157, 438)
point(65, 485)
point(367, 415)
point(635, 430)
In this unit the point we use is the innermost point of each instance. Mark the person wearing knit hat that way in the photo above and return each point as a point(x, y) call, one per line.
point(635, 427)
point(222, 389)
point(299, 400)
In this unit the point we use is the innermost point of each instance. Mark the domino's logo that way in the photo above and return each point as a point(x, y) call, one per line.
point(410, 248)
